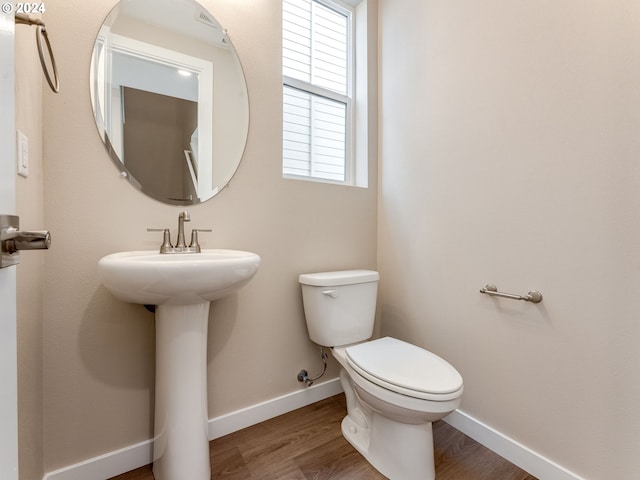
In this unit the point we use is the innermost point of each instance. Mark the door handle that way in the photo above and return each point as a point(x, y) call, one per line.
point(12, 240)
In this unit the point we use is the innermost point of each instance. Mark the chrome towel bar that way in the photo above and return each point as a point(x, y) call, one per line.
point(533, 296)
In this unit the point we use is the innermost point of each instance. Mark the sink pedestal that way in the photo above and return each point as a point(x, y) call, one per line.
point(181, 445)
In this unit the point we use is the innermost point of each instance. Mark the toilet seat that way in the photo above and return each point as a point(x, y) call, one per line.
point(405, 368)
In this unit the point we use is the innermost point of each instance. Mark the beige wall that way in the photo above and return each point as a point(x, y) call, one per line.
point(30, 272)
point(99, 352)
point(509, 154)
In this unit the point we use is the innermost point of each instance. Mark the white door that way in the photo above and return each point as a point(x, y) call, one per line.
point(8, 346)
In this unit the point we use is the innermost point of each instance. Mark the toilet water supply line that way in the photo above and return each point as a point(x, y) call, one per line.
point(303, 376)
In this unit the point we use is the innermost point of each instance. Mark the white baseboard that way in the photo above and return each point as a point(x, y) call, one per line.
point(518, 454)
point(107, 465)
point(234, 421)
point(135, 456)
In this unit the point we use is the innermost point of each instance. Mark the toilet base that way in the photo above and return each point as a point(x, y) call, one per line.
point(400, 451)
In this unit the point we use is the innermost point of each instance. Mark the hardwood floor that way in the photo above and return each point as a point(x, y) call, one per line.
point(307, 444)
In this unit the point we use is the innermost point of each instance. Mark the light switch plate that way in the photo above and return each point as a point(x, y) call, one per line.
point(22, 153)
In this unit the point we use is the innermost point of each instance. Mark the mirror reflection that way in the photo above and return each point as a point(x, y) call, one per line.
point(169, 99)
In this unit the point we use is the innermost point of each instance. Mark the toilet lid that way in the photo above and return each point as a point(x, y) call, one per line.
point(403, 367)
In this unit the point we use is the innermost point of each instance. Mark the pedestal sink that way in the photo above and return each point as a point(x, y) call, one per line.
point(181, 286)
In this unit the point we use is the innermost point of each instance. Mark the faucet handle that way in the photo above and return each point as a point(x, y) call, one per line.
point(194, 238)
point(166, 238)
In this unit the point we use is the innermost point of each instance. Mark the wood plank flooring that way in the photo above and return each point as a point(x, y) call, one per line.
point(307, 444)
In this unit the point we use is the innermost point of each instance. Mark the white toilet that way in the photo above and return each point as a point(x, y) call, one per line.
point(394, 390)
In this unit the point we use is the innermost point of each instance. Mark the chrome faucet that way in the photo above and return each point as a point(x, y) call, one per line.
point(182, 217)
point(180, 246)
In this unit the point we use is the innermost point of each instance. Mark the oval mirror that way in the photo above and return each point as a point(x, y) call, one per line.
point(169, 99)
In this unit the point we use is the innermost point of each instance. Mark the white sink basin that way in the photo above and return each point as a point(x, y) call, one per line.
point(181, 285)
point(151, 278)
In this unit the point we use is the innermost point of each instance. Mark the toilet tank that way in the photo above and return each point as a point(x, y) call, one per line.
point(339, 306)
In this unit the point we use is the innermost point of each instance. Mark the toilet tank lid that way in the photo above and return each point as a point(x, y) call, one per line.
point(342, 277)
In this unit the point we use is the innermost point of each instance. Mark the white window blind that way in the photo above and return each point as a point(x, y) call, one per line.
point(316, 90)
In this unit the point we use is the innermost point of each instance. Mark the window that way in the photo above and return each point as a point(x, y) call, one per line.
point(317, 78)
